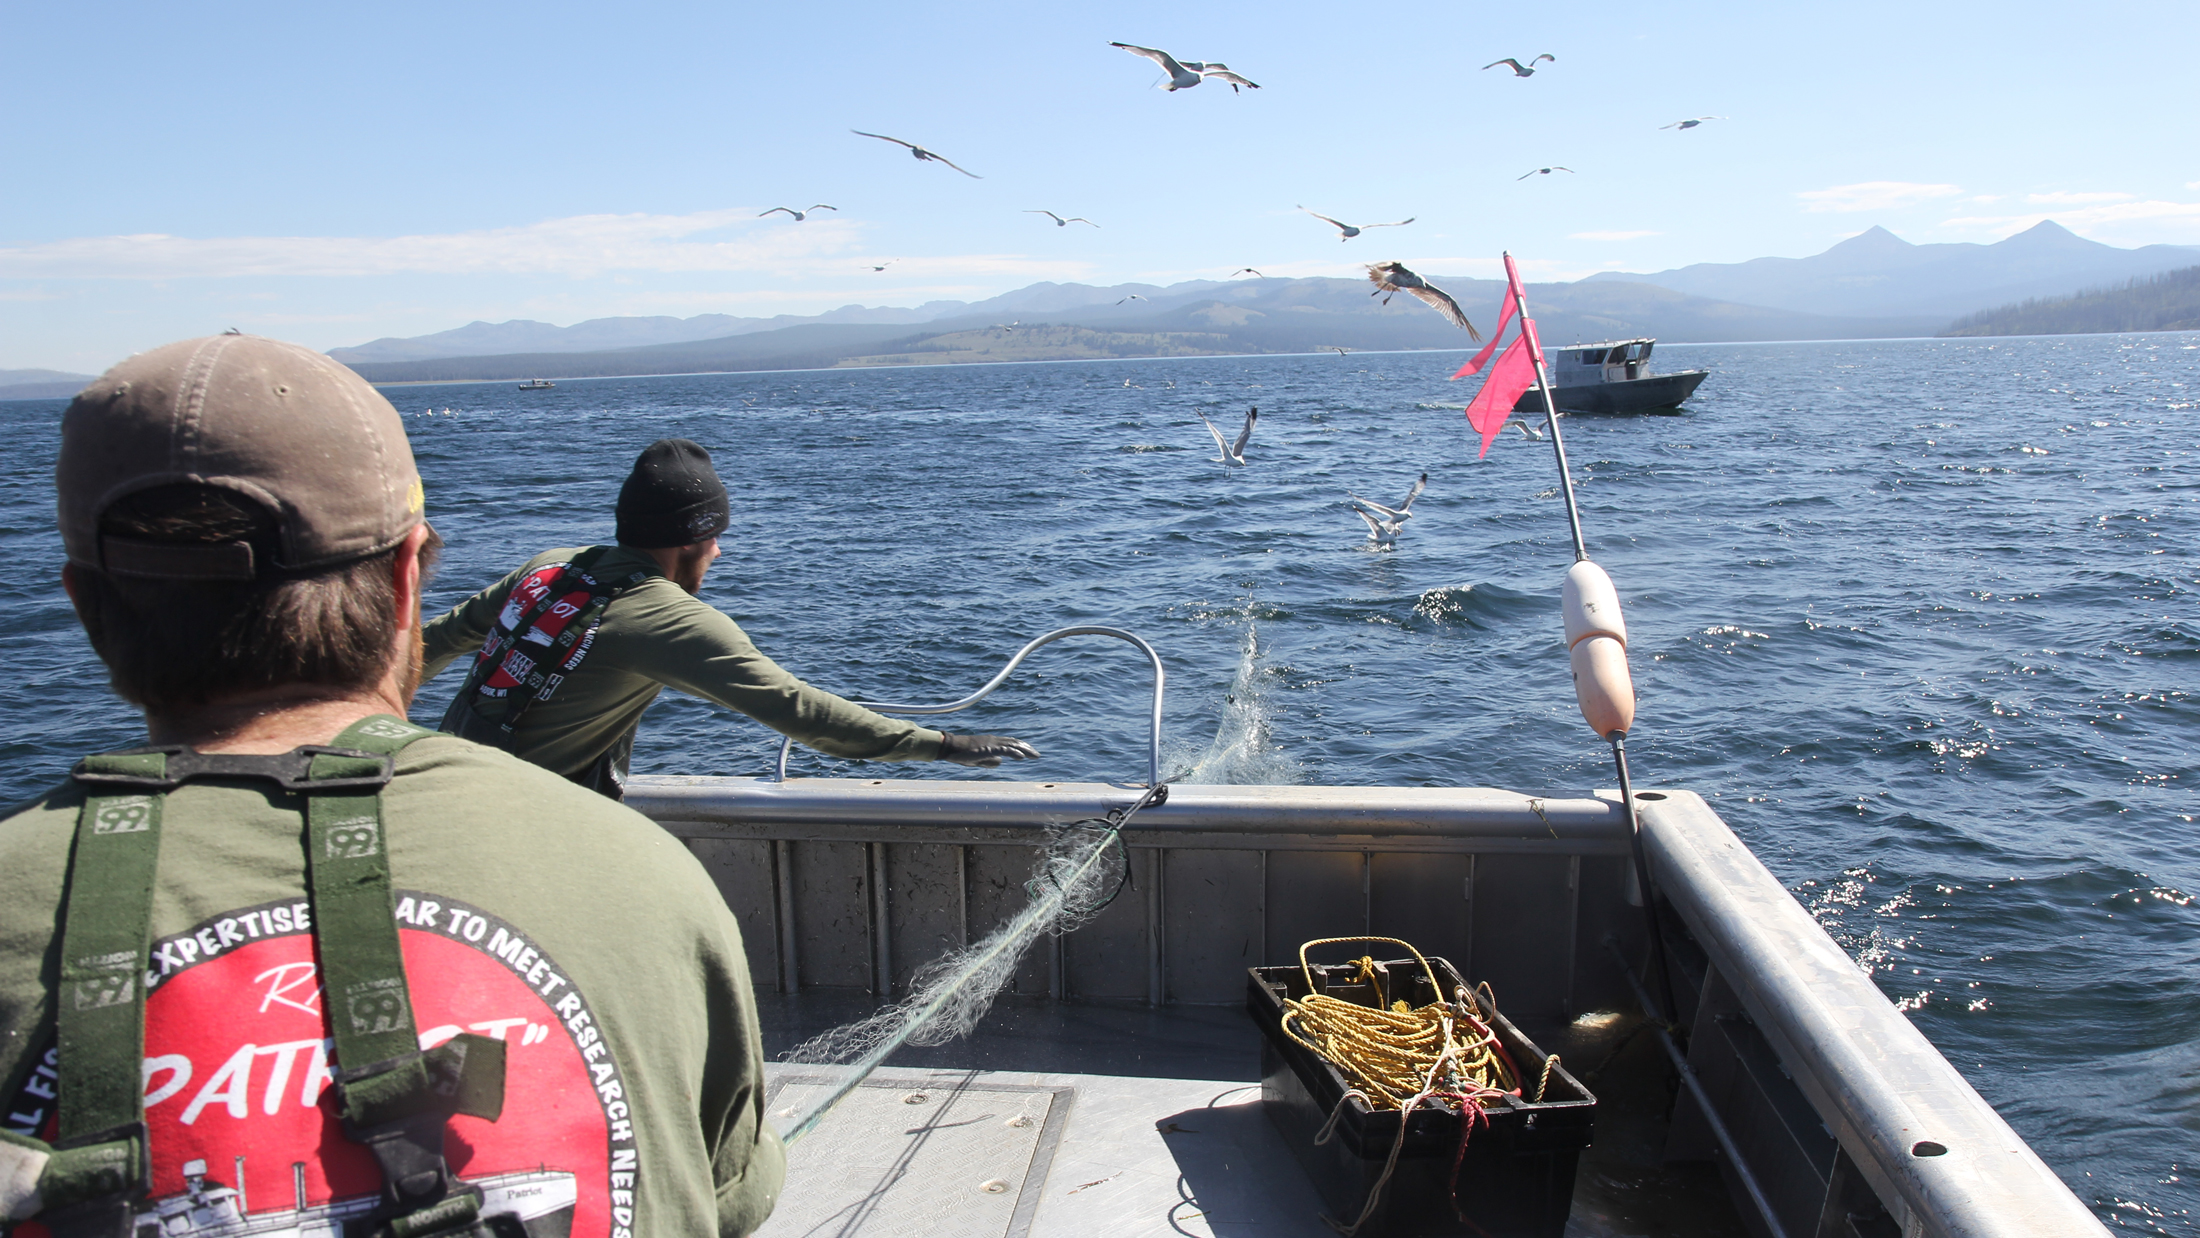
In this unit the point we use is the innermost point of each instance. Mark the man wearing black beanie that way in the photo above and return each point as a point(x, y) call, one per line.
point(575, 645)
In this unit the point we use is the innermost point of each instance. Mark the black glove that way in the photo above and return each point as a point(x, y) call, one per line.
point(983, 750)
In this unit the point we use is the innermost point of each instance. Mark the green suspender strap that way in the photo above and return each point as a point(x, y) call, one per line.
point(394, 1098)
point(101, 1163)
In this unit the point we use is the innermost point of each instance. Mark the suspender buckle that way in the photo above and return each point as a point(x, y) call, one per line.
point(292, 770)
point(91, 1184)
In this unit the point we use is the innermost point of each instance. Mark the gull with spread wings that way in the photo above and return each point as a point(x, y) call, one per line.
point(1185, 74)
point(1394, 278)
point(1384, 523)
point(1349, 231)
point(1690, 123)
point(800, 215)
point(1060, 222)
point(1540, 172)
point(919, 152)
point(1519, 69)
point(1232, 453)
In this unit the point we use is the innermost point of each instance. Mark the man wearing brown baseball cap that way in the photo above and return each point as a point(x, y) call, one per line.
point(298, 956)
point(571, 648)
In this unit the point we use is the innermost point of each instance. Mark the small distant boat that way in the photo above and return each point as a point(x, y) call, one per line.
point(1612, 376)
point(537, 384)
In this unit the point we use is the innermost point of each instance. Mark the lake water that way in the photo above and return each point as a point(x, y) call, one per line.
point(1916, 616)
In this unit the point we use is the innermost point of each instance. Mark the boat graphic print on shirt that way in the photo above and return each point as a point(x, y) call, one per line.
point(245, 1137)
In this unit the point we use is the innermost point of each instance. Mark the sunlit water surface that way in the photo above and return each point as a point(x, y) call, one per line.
point(1917, 616)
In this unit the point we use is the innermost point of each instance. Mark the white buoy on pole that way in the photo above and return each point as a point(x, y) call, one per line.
point(1596, 642)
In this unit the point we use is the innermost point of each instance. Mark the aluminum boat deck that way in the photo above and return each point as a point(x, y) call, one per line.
point(1114, 1090)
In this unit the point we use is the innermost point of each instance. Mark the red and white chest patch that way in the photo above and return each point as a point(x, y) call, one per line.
point(237, 1072)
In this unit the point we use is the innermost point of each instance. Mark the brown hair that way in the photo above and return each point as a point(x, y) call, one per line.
point(172, 645)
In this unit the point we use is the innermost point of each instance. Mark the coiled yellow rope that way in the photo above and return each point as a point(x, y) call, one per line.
point(1403, 1057)
point(1402, 1052)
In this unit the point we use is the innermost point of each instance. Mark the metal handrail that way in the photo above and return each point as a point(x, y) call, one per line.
point(1160, 681)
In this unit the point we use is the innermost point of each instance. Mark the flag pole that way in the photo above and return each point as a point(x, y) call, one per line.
point(1618, 738)
point(1550, 406)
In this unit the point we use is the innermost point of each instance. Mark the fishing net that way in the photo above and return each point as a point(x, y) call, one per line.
point(1080, 869)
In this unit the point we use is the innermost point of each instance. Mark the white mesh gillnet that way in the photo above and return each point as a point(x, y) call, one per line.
point(1080, 869)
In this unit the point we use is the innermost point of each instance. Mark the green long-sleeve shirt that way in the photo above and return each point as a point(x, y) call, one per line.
point(657, 635)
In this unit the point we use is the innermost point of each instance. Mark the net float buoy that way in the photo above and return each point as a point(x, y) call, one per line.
point(1596, 643)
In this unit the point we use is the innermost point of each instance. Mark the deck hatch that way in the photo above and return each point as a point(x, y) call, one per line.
point(885, 1163)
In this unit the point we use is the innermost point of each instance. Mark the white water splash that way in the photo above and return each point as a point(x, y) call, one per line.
point(1242, 752)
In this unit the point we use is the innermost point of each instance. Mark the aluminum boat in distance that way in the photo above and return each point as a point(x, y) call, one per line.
point(1611, 376)
point(1117, 1088)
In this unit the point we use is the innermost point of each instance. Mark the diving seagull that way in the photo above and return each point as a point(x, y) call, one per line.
point(1232, 453)
point(1393, 278)
point(1540, 172)
point(1519, 69)
point(1133, 297)
point(1350, 231)
point(1690, 124)
point(1060, 222)
point(800, 215)
point(919, 152)
point(1185, 74)
point(1383, 529)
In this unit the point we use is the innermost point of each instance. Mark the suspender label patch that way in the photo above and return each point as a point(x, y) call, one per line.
point(103, 991)
point(128, 814)
point(376, 1006)
point(355, 838)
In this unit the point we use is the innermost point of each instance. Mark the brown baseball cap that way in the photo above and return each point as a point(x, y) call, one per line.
point(291, 429)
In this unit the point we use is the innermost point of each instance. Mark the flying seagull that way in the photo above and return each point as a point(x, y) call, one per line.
point(1185, 74)
point(1349, 231)
point(1522, 70)
point(1133, 297)
point(1060, 222)
point(919, 152)
point(1526, 430)
point(883, 265)
point(1340, 351)
point(1393, 278)
point(1540, 172)
point(1690, 124)
point(800, 215)
point(1232, 453)
point(1383, 528)
point(1246, 271)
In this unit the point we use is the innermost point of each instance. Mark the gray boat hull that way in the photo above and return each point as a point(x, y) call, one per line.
point(1630, 395)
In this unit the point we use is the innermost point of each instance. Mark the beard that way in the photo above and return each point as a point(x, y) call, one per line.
point(688, 572)
point(413, 662)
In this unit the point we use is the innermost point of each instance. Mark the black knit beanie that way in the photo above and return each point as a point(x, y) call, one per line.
point(672, 498)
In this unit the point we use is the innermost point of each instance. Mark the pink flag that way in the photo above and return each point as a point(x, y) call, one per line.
point(1514, 373)
point(1504, 315)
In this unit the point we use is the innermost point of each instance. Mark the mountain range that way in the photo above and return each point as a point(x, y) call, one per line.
point(1873, 285)
point(40, 384)
point(1877, 273)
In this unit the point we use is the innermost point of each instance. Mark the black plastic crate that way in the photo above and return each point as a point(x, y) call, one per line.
point(1518, 1174)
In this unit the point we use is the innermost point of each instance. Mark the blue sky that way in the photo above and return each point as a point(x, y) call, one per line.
point(332, 174)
